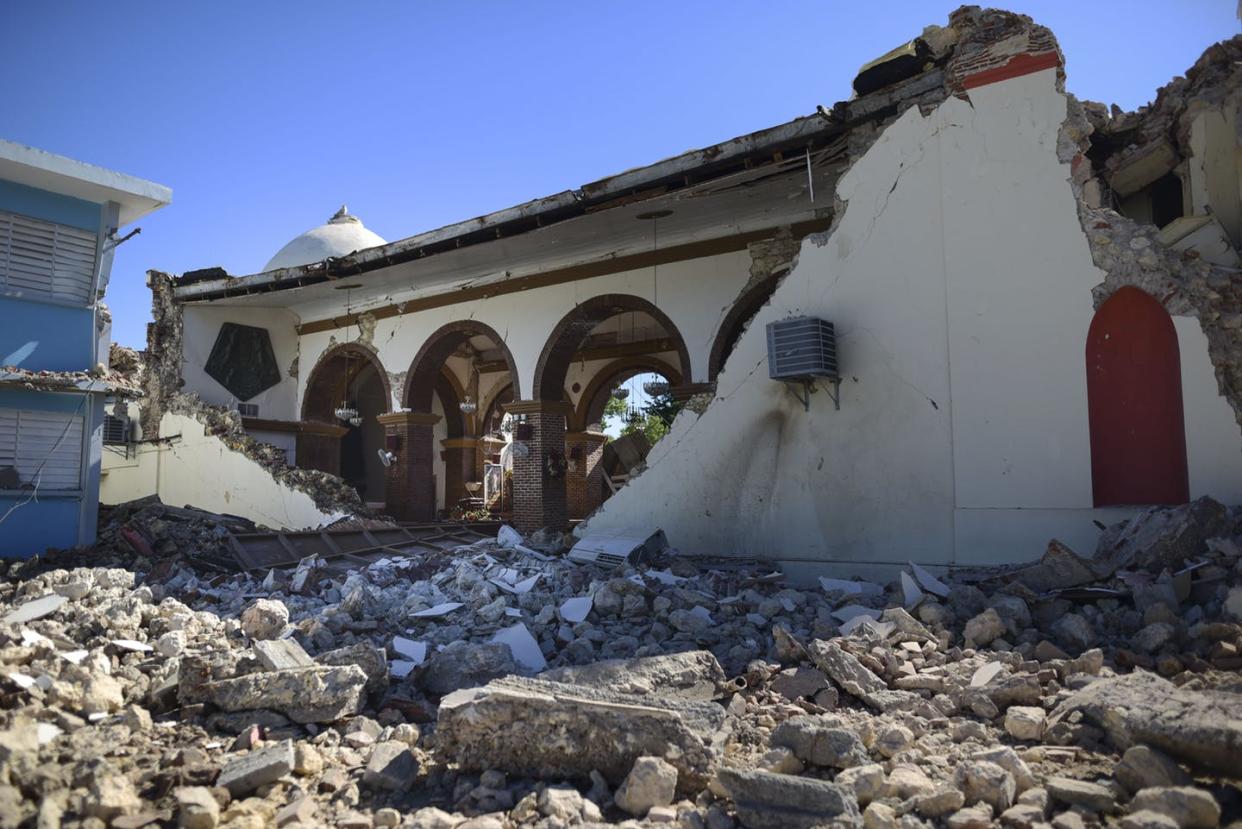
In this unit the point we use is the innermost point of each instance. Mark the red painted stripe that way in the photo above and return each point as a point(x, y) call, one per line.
point(1023, 64)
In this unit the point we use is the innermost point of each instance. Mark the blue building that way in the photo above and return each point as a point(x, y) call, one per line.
point(59, 223)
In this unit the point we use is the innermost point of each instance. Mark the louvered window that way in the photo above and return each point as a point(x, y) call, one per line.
point(47, 260)
point(44, 447)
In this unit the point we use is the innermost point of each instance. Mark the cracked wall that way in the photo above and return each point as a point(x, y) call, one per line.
point(192, 451)
point(960, 282)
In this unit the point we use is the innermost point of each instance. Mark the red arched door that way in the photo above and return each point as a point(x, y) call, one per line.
point(1134, 402)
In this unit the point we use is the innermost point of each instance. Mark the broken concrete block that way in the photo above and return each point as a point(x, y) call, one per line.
point(820, 742)
point(846, 671)
point(280, 654)
point(257, 768)
point(520, 726)
point(265, 619)
point(651, 782)
point(372, 660)
point(692, 675)
point(391, 766)
point(1143, 767)
point(1083, 794)
point(315, 694)
point(1203, 728)
point(197, 808)
point(797, 683)
point(1025, 722)
point(464, 665)
point(984, 782)
point(1189, 807)
point(779, 801)
point(110, 797)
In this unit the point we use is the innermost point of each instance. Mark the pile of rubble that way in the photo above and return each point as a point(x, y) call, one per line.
point(501, 685)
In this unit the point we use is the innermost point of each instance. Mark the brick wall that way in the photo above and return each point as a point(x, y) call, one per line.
point(410, 485)
point(539, 496)
point(583, 484)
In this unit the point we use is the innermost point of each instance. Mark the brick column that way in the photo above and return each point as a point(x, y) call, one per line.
point(582, 479)
point(460, 461)
point(410, 485)
point(319, 446)
point(539, 490)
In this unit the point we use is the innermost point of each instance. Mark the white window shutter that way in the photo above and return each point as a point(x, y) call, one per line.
point(46, 259)
point(43, 446)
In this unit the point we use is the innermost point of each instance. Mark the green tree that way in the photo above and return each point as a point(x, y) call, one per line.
point(653, 421)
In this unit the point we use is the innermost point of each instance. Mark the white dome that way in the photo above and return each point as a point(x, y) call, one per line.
point(342, 235)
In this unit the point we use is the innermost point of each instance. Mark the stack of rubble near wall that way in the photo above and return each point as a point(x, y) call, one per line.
point(161, 382)
point(319, 696)
point(1098, 142)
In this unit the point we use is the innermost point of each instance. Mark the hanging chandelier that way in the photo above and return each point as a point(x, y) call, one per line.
point(655, 388)
point(468, 406)
point(346, 412)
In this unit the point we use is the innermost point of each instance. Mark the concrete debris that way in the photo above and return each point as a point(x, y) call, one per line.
point(521, 725)
point(1201, 728)
point(158, 689)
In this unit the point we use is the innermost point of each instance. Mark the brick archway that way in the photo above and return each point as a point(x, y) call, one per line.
point(737, 319)
point(591, 404)
point(1134, 403)
point(351, 371)
point(567, 336)
point(327, 379)
point(427, 364)
point(412, 479)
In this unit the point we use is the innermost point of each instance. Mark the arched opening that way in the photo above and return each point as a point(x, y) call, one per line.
point(557, 481)
point(737, 320)
point(1134, 401)
point(443, 463)
point(605, 447)
point(347, 377)
point(605, 328)
point(589, 412)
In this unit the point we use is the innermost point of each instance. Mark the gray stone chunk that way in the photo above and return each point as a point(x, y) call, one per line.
point(855, 678)
point(652, 782)
point(1142, 767)
point(391, 766)
point(1203, 728)
point(819, 742)
point(372, 660)
point(1191, 808)
point(316, 694)
point(524, 726)
point(465, 665)
point(280, 654)
point(257, 768)
point(1081, 793)
point(694, 675)
point(780, 801)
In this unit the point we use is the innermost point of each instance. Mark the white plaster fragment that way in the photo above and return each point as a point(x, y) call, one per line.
point(524, 646)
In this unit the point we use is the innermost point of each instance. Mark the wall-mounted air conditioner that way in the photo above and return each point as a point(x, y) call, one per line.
point(802, 350)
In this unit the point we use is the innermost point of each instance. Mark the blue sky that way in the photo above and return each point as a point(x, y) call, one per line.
point(264, 117)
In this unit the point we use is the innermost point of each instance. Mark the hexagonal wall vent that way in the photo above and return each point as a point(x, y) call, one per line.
point(242, 360)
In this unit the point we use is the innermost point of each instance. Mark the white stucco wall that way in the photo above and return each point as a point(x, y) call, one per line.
point(959, 282)
point(692, 293)
point(202, 325)
point(199, 470)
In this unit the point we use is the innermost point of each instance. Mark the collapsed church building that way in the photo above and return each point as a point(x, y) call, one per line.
point(1025, 316)
point(1034, 306)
